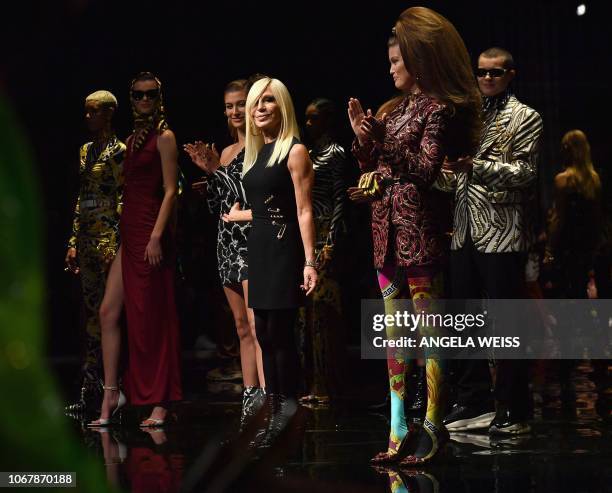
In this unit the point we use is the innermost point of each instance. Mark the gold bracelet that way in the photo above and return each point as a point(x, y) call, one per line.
point(311, 263)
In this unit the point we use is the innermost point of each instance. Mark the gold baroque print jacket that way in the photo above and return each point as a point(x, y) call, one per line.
point(493, 199)
point(98, 207)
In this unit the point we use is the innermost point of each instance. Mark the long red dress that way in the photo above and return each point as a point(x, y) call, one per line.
point(153, 373)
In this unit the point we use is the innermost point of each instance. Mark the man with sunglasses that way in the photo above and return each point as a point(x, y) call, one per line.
point(490, 240)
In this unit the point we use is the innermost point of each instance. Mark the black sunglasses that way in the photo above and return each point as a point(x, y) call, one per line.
point(150, 94)
point(493, 72)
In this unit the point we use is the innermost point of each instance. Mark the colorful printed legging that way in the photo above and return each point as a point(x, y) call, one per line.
point(422, 285)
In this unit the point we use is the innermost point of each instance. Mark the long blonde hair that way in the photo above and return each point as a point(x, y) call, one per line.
point(576, 157)
point(288, 130)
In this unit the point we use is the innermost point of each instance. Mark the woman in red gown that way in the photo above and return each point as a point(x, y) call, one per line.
point(142, 275)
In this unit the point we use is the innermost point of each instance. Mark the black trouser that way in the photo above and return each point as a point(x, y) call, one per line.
point(475, 275)
point(276, 336)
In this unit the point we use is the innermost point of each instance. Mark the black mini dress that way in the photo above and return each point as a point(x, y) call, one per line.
point(276, 252)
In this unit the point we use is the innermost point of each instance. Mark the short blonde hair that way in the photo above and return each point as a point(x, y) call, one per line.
point(288, 131)
point(105, 98)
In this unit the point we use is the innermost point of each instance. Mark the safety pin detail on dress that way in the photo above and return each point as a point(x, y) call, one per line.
point(275, 216)
point(267, 201)
point(281, 232)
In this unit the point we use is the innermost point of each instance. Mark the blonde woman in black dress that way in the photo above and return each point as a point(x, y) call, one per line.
point(278, 179)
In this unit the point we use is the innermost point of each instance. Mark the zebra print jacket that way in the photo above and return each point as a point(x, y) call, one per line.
point(492, 199)
point(328, 160)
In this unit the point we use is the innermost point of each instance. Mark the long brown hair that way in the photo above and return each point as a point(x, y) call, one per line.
point(435, 54)
point(389, 105)
point(576, 158)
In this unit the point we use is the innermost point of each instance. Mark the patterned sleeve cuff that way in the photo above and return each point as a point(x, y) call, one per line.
point(365, 154)
point(517, 174)
point(389, 150)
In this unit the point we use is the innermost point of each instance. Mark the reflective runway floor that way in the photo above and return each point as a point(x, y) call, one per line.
point(327, 449)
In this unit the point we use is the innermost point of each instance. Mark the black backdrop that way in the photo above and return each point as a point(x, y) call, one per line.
point(55, 53)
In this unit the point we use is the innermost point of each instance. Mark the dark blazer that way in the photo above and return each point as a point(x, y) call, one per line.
point(408, 214)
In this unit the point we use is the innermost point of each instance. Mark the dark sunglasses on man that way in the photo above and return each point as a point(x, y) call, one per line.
point(150, 94)
point(492, 72)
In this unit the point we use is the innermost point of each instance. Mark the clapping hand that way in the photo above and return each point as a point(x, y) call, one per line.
point(204, 156)
point(356, 116)
point(375, 128)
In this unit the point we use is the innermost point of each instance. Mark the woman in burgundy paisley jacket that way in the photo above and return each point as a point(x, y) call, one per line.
point(437, 118)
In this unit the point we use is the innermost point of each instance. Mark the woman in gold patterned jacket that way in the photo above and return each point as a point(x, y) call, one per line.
point(95, 232)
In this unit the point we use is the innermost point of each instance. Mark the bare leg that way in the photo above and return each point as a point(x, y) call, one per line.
point(234, 295)
point(251, 317)
point(248, 359)
point(110, 311)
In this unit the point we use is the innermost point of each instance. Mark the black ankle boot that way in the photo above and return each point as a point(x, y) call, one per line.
point(251, 403)
point(258, 399)
point(264, 415)
point(418, 401)
point(283, 409)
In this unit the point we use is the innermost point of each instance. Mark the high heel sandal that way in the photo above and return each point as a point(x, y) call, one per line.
point(152, 423)
point(156, 422)
point(391, 455)
point(111, 420)
point(438, 436)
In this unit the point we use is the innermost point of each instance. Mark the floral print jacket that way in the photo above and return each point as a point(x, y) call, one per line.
point(408, 222)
